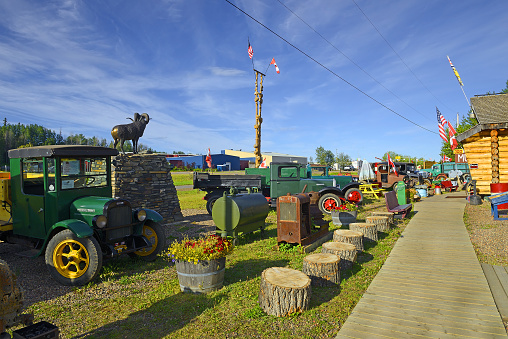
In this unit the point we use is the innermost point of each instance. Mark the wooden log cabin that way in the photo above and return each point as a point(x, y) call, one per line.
point(486, 144)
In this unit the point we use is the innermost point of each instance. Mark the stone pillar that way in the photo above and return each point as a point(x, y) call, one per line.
point(145, 180)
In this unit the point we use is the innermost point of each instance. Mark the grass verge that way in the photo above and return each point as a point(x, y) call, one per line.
point(132, 298)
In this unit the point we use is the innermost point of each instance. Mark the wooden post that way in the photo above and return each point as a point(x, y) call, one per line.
point(380, 222)
point(351, 237)
point(494, 146)
point(323, 269)
point(345, 251)
point(284, 291)
point(369, 230)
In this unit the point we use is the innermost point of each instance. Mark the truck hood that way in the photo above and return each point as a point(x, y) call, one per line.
point(86, 208)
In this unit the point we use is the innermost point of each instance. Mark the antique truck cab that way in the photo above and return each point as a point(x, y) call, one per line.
point(59, 203)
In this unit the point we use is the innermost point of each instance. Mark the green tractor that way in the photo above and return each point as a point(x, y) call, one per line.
point(57, 200)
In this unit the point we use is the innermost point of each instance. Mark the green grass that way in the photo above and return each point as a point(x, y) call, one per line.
point(180, 179)
point(132, 298)
point(192, 199)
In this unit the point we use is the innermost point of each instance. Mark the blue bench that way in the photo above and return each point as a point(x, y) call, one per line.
point(495, 201)
point(392, 205)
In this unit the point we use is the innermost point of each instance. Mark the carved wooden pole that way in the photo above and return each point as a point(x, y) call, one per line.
point(494, 146)
point(259, 120)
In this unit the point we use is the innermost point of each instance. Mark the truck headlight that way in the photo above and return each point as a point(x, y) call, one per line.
point(100, 221)
point(141, 215)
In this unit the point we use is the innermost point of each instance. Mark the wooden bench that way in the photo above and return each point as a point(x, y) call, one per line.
point(495, 201)
point(392, 205)
point(448, 186)
point(369, 189)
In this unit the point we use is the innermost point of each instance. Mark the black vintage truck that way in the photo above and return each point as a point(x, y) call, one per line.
point(278, 180)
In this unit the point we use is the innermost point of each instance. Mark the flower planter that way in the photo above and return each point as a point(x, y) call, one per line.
point(203, 277)
point(344, 217)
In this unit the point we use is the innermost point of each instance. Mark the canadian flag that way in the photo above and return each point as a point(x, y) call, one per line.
point(445, 158)
point(276, 67)
point(451, 133)
point(263, 164)
point(209, 159)
point(390, 162)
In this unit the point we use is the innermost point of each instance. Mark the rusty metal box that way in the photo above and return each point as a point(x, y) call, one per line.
point(293, 218)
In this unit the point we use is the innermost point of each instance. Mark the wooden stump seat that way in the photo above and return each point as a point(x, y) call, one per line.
point(346, 252)
point(384, 214)
point(349, 236)
point(323, 269)
point(380, 222)
point(369, 230)
point(284, 291)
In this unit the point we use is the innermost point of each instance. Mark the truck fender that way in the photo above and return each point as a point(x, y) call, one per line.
point(153, 215)
point(78, 227)
point(335, 190)
point(350, 185)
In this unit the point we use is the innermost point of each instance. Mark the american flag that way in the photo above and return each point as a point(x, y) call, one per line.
point(250, 51)
point(441, 121)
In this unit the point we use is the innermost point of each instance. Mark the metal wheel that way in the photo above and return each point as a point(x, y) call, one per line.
point(329, 202)
point(155, 234)
point(441, 176)
point(209, 203)
point(71, 260)
point(427, 182)
point(354, 195)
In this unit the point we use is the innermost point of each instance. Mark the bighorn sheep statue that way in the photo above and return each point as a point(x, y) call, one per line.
point(132, 131)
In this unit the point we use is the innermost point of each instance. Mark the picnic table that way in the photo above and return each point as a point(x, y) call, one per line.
point(370, 190)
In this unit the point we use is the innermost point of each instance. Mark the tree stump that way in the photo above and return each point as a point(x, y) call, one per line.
point(351, 237)
point(369, 230)
point(346, 252)
point(323, 269)
point(284, 291)
point(380, 222)
point(384, 214)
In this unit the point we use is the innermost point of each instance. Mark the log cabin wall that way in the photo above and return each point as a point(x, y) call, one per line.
point(491, 157)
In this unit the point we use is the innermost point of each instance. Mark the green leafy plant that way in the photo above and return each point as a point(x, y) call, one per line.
point(208, 248)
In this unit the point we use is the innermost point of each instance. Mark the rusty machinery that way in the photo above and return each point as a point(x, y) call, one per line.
point(296, 220)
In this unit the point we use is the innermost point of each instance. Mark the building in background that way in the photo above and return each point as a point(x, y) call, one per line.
point(220, 161)
point(269, 156)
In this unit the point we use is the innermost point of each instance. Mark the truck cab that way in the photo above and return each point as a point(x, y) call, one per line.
point(60, 204)
point(406, 171)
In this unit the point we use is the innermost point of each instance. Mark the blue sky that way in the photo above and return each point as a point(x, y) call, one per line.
point(85, 66)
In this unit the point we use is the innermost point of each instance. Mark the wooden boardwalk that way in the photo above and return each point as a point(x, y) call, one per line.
point(431, 285)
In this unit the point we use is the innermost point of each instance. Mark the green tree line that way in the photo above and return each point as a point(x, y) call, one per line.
point(18, 135)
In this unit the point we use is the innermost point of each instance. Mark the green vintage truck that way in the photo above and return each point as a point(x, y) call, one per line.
point(57, 200)
point(280, 179)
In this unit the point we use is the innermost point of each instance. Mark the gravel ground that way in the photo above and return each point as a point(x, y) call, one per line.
point(488, 236)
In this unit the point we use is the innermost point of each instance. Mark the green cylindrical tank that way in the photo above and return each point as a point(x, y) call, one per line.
point(240, 213)
point(401, 193)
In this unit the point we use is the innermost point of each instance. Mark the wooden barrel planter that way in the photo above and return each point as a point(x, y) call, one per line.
point(323, 269)
point(369, 230)
point(349, 236)
point(384, 214)
point(284, 291)
point(203, 277)
point(380, 222)
point(346, 252)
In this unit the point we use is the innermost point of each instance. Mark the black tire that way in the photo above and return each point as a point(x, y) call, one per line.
point(354, 195)
point(71, 260)
point(394, 186)
point(154, 232)
point(441, 176)
point(327, 202)
point(209, 203)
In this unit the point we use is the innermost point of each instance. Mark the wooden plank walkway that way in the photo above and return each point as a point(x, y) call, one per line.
point(431, 285)
point(497, 277)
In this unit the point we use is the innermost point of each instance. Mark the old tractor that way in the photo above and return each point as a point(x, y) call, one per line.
point(57, 199)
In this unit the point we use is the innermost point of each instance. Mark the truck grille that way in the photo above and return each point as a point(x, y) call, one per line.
point(118, 216)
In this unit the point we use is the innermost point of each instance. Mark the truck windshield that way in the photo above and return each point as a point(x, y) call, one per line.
point(83, 172)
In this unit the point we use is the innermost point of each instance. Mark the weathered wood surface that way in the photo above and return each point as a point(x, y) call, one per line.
point(380, 222)
point(497, 277)
point(352, 237)
point(369, 230)
point(284, 291)
point(384, 214)
point(323, 269)
point(429, 286)
point(345, 251)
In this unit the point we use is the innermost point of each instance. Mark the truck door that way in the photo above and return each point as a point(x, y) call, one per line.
point(284, 179)
point(29, 210)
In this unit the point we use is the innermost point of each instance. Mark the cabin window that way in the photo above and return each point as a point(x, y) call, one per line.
point(33, 176)
point(83, 172)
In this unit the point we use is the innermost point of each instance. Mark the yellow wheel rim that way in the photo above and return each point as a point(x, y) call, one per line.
point(71, 259)
point(150, 234)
